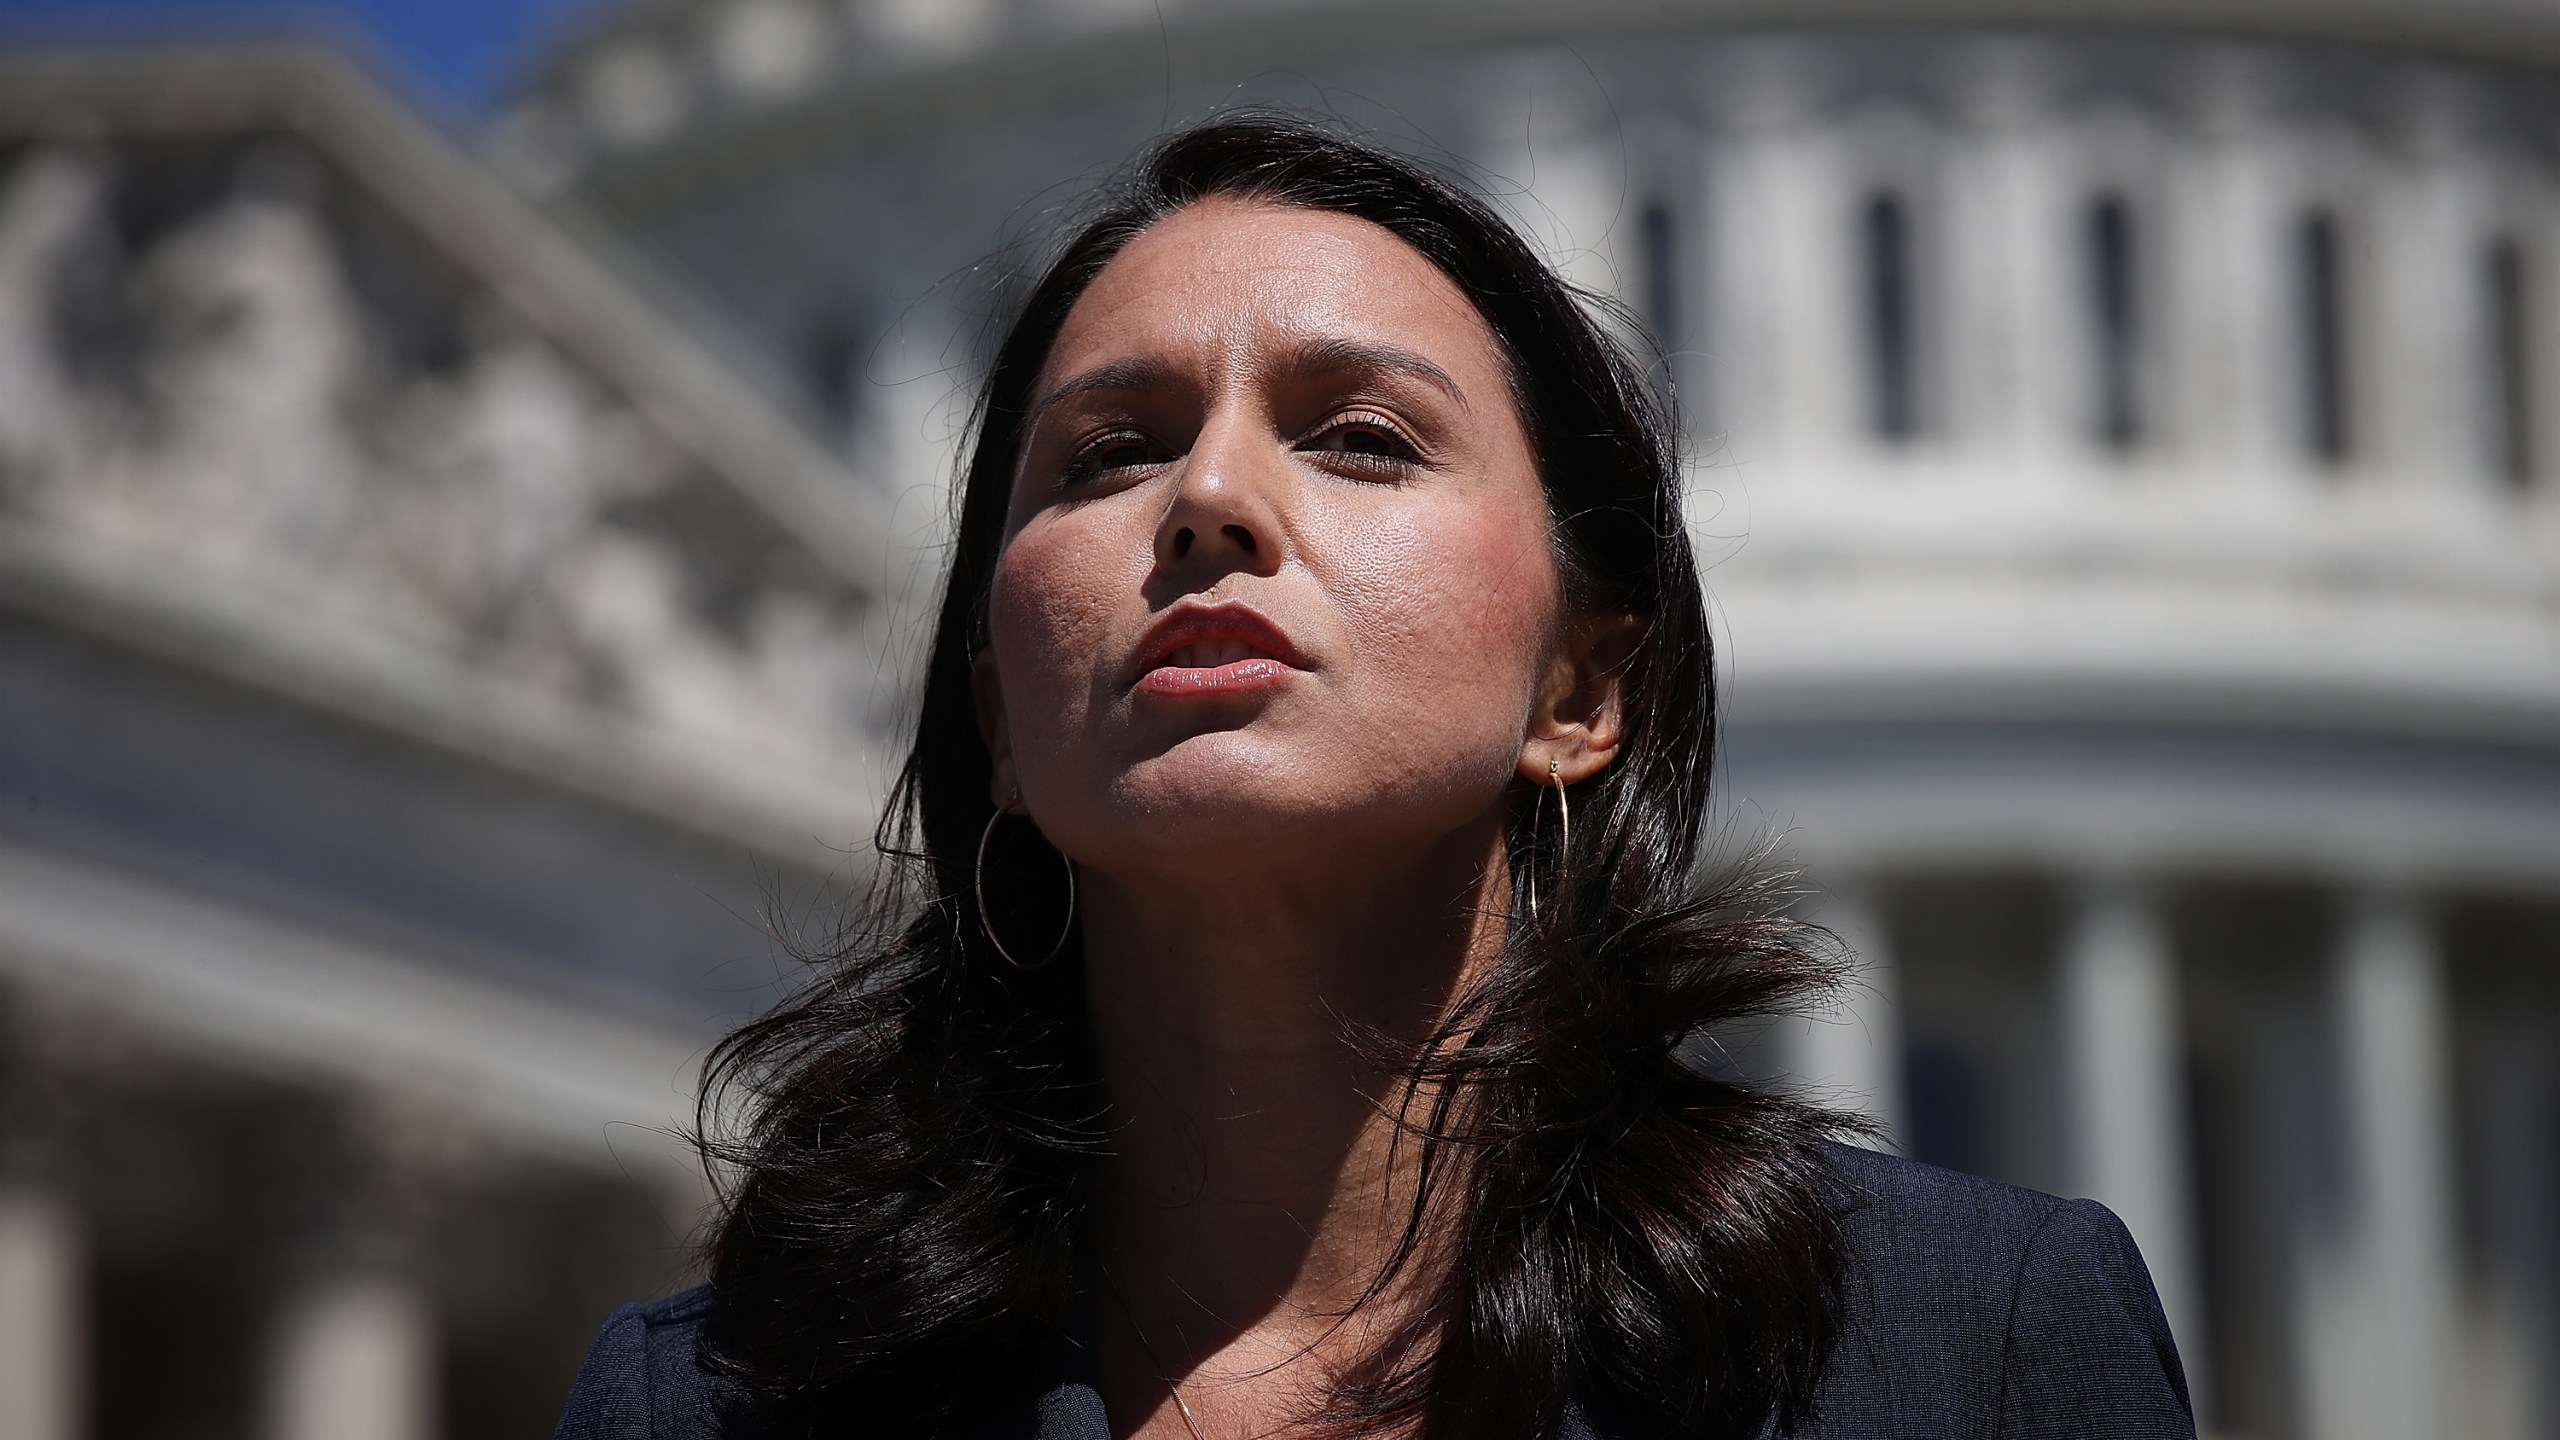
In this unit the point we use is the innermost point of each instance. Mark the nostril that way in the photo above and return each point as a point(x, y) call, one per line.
point(1182, 542)
point(1242, 537)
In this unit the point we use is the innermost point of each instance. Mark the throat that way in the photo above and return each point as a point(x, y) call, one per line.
point(1246, 1233)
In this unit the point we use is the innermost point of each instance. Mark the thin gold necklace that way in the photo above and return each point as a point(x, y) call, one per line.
point(1130, 1313)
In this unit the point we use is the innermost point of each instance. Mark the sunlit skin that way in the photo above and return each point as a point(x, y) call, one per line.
point(1285, 819)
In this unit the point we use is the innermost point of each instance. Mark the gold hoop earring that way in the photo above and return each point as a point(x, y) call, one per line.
point(1564, 830)
point(987, 920)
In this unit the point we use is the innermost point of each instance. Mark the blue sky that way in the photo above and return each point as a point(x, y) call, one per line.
point(459, 54)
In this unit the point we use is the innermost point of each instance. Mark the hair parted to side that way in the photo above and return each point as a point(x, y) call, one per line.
point(1657, 1244)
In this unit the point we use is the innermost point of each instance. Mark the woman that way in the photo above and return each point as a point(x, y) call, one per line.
point(1280, 1030)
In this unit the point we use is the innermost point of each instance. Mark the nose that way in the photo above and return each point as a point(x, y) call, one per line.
point(1222, 515)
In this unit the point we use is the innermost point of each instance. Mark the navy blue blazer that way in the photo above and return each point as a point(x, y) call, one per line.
point(1975, 1309)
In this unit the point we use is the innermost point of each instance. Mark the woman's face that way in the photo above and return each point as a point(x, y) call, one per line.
point(1277, 584)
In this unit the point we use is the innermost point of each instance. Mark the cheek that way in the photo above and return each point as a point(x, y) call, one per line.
point(1049, 617)
point(1457, 602)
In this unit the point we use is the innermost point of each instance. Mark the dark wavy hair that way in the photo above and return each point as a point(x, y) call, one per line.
point(1598, 1221)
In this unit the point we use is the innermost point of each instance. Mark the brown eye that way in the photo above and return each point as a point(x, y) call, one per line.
point(1111, 452)
point(1368, 441)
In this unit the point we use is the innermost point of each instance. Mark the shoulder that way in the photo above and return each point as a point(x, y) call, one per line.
point(641, 1380)
point(1983, 1308)
point(1928, 1234)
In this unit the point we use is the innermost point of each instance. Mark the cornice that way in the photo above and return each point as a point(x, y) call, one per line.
point(275, 646)
point(734, 138)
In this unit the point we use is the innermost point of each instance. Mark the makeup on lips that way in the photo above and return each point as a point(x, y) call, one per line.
point(1223, 650)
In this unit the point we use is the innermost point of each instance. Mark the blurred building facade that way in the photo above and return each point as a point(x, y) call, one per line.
point(425, 668)
point(2126, 446)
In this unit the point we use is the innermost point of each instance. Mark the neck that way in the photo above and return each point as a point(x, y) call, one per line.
point(1254, 1187)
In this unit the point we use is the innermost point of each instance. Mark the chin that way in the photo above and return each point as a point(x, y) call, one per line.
point(1220, 801)
point(1228, 782)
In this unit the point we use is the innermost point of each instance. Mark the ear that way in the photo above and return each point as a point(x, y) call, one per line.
point(986, 691)
point(1581, 711)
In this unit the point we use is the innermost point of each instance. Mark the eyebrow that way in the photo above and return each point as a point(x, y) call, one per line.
point(1135, 373)
point(1335, 353)
point(1315, 356)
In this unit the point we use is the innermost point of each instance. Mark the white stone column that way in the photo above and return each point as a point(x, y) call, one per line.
point(353, 1348)
point(1781, 280)
point(1852, 1057)
point(354, 1359)
point(2424, 370)
point(2233, 414)
point(43, 1318)
point(2536, 225)
point(2121, 1034)
point(2384, 1373)
point(2013, 315)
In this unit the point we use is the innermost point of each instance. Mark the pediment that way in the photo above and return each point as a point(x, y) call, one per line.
point(291, 387)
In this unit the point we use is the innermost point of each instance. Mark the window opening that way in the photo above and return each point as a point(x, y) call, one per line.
point(1892, 408)
point(2510, 387)
point(1661, 281)
point(2326, 430)
point(2114, 340)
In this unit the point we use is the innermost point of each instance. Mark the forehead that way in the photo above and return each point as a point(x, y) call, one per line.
point(1221, 279)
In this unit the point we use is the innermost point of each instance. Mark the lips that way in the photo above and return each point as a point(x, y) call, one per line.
point(1212, 650)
